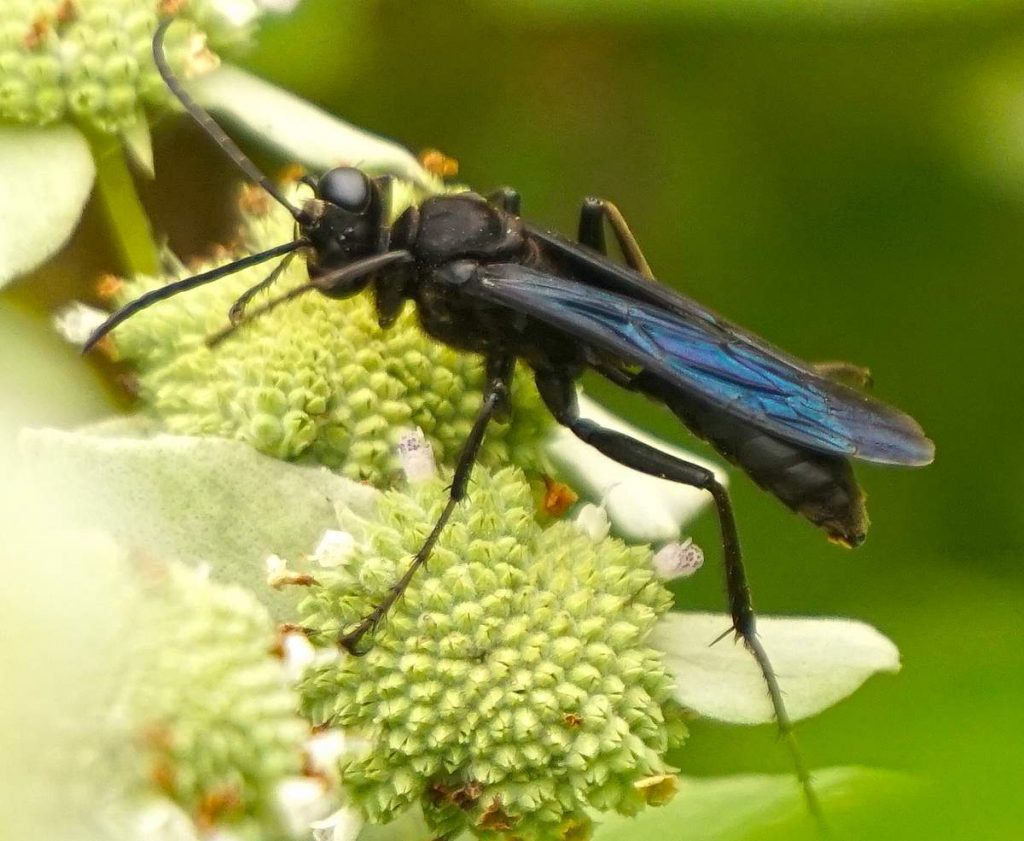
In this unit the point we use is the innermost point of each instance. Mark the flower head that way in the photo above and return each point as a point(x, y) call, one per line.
point(512, 686)
point(91, 60)
point(211, 704)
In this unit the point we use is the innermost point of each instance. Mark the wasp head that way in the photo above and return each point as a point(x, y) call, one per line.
point(344, 220)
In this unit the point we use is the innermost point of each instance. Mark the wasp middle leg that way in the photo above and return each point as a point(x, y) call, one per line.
point(593, 214)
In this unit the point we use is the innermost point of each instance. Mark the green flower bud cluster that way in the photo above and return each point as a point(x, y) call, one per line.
point(314, 379)
point(511, 688)
point(211, 703)
point(91, 60)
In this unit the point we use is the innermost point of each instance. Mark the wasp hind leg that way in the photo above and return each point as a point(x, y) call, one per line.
point(559, 395)
point(593, 214)
point(507, 199)
point(844, 373)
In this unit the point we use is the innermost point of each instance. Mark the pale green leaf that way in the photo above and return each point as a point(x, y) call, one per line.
point(46, 176)
point(754, 806)
point(138, 143)
point(43, 380)
point(299, 130)
point(818, 663)
point(65, 612)
point(196, 499)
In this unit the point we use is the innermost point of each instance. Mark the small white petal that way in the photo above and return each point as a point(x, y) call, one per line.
point(678, 560)
point(199, 59)
point(280, 576)
point(236, 13)
point(299, 655)
point(300, 802)
point(416, 456)
point(76, 321)
point(46, 176)
point(278, 7)
point(642, 508)
point(334, 548)
point(162, 820)
point(818, 662)
point(343, 825)
point(275, 566)
point(69, 51)
point(301, 131)
point(593, 521)
point(325, 748)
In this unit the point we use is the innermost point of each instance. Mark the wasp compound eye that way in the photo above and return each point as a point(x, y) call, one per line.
point(346, 187)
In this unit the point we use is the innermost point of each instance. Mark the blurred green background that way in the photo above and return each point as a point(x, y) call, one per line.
point(844, 178)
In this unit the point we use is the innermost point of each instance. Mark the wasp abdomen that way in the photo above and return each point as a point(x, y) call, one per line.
point(818, 486)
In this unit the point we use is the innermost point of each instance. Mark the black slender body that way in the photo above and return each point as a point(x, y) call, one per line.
point(450, 237)
point(484, 281)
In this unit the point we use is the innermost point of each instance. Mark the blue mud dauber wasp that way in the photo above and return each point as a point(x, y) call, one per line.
point(485, 281)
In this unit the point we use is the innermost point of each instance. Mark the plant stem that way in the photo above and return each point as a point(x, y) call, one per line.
point(126, 217)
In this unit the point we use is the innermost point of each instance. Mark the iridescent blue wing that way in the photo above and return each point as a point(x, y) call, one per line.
point(713, 361)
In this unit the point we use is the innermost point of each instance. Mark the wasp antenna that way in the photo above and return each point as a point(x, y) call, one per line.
point(215, 132)
point(171, 289)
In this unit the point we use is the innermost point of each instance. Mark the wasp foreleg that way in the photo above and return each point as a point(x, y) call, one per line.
point(495, 398)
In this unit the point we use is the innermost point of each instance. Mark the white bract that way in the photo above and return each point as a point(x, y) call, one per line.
point(300, 131)
point(818, 662)
point(45, 180)
point(205, 498)
point(641, 507)
point(197, 499)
